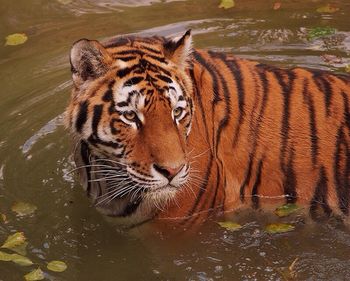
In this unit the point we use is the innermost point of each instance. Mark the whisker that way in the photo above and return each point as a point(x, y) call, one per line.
point(108, 160)
point(85, 166)
point(201, 154)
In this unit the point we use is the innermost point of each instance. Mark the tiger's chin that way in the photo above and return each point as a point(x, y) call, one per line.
point(131, 210)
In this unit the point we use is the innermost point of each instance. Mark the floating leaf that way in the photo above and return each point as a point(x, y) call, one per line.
point(21, 260)
point(232, 226)
point(16, 39)
point(57, 266)
point(65, 2)
point(279, 227)
point(286, 210)
point(14, 240)
point(21, 249)
point(23, 208)
point(318, 32)
point(277, 5)
point(347, 68)
point(227, 4)
point(18, 259)
point(329, 8)
point(3, 218)
point(36, 274)
point(5, 256)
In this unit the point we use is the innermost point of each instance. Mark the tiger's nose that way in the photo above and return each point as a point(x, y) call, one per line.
point(168, 172)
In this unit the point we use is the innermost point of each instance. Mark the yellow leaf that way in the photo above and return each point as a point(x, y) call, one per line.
point(279, 227)
point(57, 266)
point(21, 260)
point(347, 68)
point(21, 249)
point(18, 259)
point(36, 274)
point(14, 240)
point(232, 226)
point(23, 208)
point(329, 8)
point(227, 4)
point(5, 256)
point(286, 209)
point(16, 39)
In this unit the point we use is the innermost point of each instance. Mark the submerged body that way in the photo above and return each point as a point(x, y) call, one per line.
point(166, 131)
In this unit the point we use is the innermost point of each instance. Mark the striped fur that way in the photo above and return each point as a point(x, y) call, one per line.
point(250, 133)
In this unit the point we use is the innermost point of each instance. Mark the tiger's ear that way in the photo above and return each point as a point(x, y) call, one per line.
point(89, 60)
point(179, 50)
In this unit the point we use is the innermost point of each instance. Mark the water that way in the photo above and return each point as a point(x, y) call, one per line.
point(35, 151)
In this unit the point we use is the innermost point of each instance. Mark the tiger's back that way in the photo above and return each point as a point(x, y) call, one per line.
point(277, 133)
point(255, 133)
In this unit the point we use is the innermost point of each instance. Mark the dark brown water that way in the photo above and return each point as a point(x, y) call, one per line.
point(35, 151)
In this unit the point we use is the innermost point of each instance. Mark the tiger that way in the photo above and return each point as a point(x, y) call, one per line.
point(163, 130)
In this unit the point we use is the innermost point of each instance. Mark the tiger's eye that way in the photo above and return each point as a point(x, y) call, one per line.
point(177, 112)
point(130, 115)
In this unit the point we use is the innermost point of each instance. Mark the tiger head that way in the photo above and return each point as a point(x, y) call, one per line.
point(131, 110)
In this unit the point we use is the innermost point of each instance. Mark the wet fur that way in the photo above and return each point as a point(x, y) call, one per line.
point(256, 133)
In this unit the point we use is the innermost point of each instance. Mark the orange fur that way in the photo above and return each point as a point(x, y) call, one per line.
point(258, 132)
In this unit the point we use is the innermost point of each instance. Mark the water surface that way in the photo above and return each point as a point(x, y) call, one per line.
point(35, 154)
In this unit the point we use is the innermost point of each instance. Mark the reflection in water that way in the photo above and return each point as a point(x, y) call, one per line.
point(49, 128)
point(34, 93)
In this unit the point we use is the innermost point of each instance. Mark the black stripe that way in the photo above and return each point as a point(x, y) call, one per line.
point(342, 174)
point(224, 121)
point(96, 118)
point(164, 78)
point(237, 75)
point(130, 52)
point(290, 182)
point(160, 59)
point(255, 189)
point(122, 104)
point(246, 177)
point(125, 71)
point(108, 96)
point(312, 122)
point(85, 154)
point(95, 140)
point(151, 50)
point(157, 68)
point(325, 87)
point(320, 195)
point(82, 116)
point(218, 186)
point(128, 58)
point(210, 69)
point(286, 94)
point(133, 81)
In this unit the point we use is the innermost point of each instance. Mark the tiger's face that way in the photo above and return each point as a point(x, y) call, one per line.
point(132, 110)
